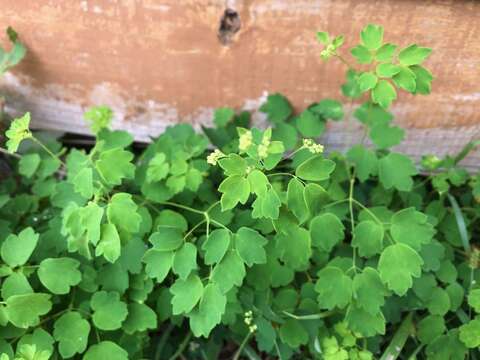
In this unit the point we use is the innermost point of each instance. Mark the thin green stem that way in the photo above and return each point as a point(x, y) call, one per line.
point(99, 172)
point(472, 145)
point(85, 313)
point(365, 128)
point(149, 205)
point(180, 206)
point(181, 347)
point(6, 152)
point(194, 228)
point(242, 345)
point(162, 342)
point(207, 230)
point(374, 217)
point(101, 184)
point(47, 150)
point(343, 60)
point(354, 268)
point(250, 353)
point(352, 219)
point(278, 350)
point(414, 354)
point(350, 204)
point(281, 174)
point(97, 336)
point(462, 316)
point(47, 319)
point(427, 179)
point(289, 156)
point(220, 225)
point(30, 266)
point(321, 315)
point(470, 285)
point(286, 174)
point(208, 220)
point(204, 356)
point(349, 118)
point(211, 207)
point(369, 212)
point(336, 203)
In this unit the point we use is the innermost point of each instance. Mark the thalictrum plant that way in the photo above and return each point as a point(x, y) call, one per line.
point(262, 247)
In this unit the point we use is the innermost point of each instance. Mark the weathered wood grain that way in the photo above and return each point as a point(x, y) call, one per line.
point(158, 62)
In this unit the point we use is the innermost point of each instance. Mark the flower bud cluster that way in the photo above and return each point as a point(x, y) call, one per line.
point(328, 52)
point(249, 321)
point(245, 141)
point(312, 146)
point(263, 147)
point(431, 162)
point(214, 157)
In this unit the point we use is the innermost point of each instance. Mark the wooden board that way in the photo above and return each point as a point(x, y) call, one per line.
point(159, 62)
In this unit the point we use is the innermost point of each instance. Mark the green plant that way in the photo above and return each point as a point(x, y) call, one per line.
point(9, 59)
point(263, 246)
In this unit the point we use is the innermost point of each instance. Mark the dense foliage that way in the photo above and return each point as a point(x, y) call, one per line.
point(262, 248)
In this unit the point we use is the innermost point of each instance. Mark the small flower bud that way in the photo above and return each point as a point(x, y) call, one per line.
point(262, 151)
point(245, 141)
point(214, 157)
point(431, 162)
point(311, 146)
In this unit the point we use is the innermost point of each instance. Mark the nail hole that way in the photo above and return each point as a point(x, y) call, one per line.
point(229, 25)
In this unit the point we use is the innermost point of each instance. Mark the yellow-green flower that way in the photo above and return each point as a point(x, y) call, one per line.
point(18, 132)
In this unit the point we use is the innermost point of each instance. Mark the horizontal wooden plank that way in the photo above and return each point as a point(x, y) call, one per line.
point(159, 62)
